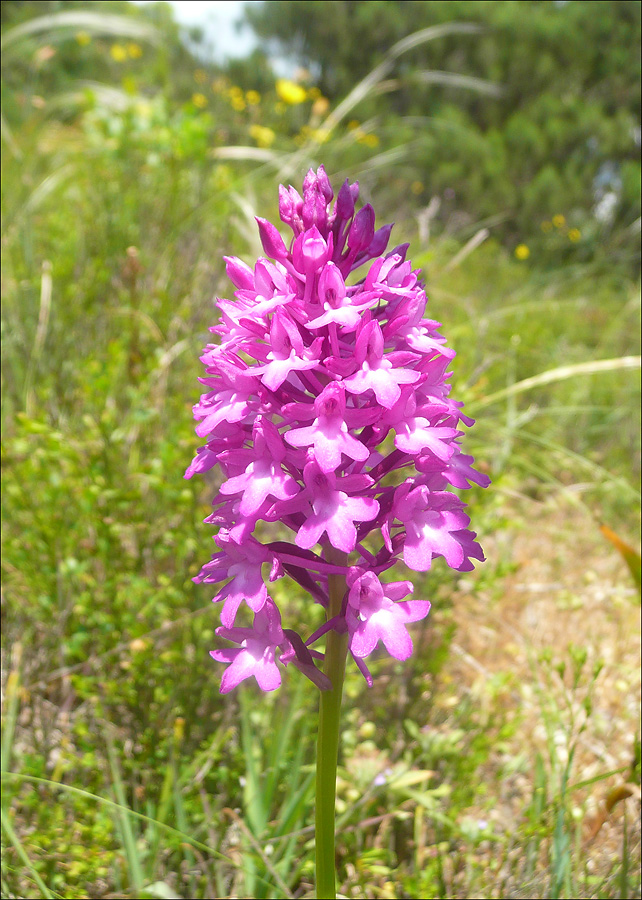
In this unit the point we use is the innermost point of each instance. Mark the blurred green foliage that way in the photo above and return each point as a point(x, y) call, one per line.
point(564, 131)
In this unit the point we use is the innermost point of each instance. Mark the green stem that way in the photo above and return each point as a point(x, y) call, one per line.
point(328, 737)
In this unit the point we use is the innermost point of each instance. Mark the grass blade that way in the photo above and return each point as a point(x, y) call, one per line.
point(367, 84)
point(561, 374)
point(20, 850)
point(92, 22)
point(131, 850)
point(452, 79)
point(11, 701)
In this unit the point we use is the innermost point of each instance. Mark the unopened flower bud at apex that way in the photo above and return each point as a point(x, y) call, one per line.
point(271, 239)
point(328, 413)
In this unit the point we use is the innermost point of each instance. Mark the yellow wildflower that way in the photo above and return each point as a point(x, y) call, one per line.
point(237, 103)
point(352, 124)
point(253, 98)
point(135, 50)
point(290, 92)
point(199, 100)
point(546, 227)
point(118, 52)
point(83, 38)
point(522, 251)
point(263, 135)
point(574, 235)
point(559, 221)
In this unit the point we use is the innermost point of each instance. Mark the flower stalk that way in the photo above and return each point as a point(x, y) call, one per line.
point(336, 651)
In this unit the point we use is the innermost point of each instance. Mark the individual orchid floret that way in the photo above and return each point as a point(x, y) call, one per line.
point(330, 509)
point(287, 354)
point(231, 402)
point(317, 193)
point(372, 615)
point(434, 522)
point(264, 476)
point(459, 471)
point(257, 654)
point(239, 272)
point(272, 286)
point(362, 229)
point(209, 455)
point(291, 208)
point(377, 372)
point(242, 563)
point(417, 433)
point(328, 434)
point(338, 307)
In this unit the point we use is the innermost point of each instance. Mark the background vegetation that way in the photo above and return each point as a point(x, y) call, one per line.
point(503, 139)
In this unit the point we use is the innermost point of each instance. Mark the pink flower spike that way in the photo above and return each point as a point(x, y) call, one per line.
point(321, 388)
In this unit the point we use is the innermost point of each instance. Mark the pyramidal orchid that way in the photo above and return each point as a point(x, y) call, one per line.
point(327, 412)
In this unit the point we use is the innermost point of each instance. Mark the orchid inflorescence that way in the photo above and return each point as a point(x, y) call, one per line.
point(324, 387)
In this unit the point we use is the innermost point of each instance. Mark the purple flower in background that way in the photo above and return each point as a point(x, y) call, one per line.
point(326, 386)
